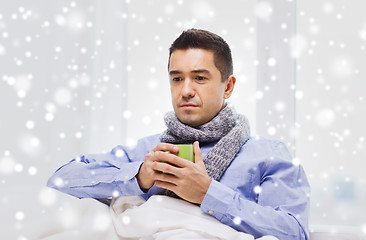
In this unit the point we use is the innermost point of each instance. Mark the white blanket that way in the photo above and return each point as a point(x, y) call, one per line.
point(128, 218)
point(165, 218)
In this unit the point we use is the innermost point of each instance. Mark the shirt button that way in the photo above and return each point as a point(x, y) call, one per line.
point(93, 182)
point(210, 212)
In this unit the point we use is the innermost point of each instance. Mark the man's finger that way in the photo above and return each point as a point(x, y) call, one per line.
point(165, 185)
point(164, 177)
point(197, 153)
point(164, 167)
point(166, 147)
point(172, 159)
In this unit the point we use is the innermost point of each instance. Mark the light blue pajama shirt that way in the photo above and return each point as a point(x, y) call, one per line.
point(261, 193)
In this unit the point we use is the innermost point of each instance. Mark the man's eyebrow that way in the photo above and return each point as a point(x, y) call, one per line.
point(205, 71)
point(172, 72)
point(201, 71)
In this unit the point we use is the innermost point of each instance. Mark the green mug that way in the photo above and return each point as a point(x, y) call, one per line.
point(185, 152)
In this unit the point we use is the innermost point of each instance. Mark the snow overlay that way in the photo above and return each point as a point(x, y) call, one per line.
point(82, 77)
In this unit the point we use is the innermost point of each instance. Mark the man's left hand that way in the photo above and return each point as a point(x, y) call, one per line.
point(188, 180)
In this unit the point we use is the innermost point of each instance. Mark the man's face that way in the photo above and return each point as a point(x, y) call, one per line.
point(197, 90)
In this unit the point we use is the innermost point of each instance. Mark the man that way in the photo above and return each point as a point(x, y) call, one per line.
point(247, 183)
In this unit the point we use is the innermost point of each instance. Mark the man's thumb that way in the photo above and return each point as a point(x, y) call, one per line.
point(197, 153)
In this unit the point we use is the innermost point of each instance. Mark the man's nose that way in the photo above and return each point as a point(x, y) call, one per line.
point(188, 88)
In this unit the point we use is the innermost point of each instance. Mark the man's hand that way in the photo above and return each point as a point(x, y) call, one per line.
point(188, 180)
point(145, 176)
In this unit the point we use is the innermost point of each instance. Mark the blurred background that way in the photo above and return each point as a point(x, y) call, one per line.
point(84, 76)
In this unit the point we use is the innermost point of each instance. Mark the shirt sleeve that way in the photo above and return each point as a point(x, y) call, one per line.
point(101, 175)
point(281, 206)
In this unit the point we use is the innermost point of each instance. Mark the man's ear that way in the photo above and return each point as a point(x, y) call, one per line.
point(229, 86)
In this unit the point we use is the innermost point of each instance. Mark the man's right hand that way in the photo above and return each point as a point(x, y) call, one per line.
point(144, 178)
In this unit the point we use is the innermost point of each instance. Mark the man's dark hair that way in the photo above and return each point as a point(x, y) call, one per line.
point(202, 39)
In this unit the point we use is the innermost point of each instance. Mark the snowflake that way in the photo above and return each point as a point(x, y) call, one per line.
point(325, 117)
point(32, 170)
point(7, 165)
point(127, 114)
point(2, 50)
point(271, 62)
point(237, 220)
point(202, 10)
point(47, 196)
point(59, 182)
point(328, 7)
point(78, 135)
point(296, 161)
point(115, 193)
point(119, 153)
point(257, 189)
point(280, 106)
point(19, 215)
point(18, 167)
point(146, 120)
point(126, 220)
point(263, 11)
point(49, 117)
point(101, 221)
point(363, 229)
point(271, 130)
point(259, 95)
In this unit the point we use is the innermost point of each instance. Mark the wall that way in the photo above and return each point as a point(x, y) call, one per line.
point(330, 109)
point(153, 26)
point(84, 76)
point(62, 90)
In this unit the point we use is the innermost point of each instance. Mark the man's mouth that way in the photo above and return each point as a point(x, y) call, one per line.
point(188, 105)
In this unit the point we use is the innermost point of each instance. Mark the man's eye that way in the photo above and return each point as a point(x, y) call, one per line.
point(200, 78)
point(177, 79)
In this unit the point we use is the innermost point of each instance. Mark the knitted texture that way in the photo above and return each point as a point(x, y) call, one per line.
point(230, 129)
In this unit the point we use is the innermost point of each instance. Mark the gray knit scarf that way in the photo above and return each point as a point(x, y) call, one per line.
point(230, 129)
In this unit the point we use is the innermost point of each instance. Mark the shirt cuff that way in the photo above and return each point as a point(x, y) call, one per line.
point(130, 184)
point(217, 199)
